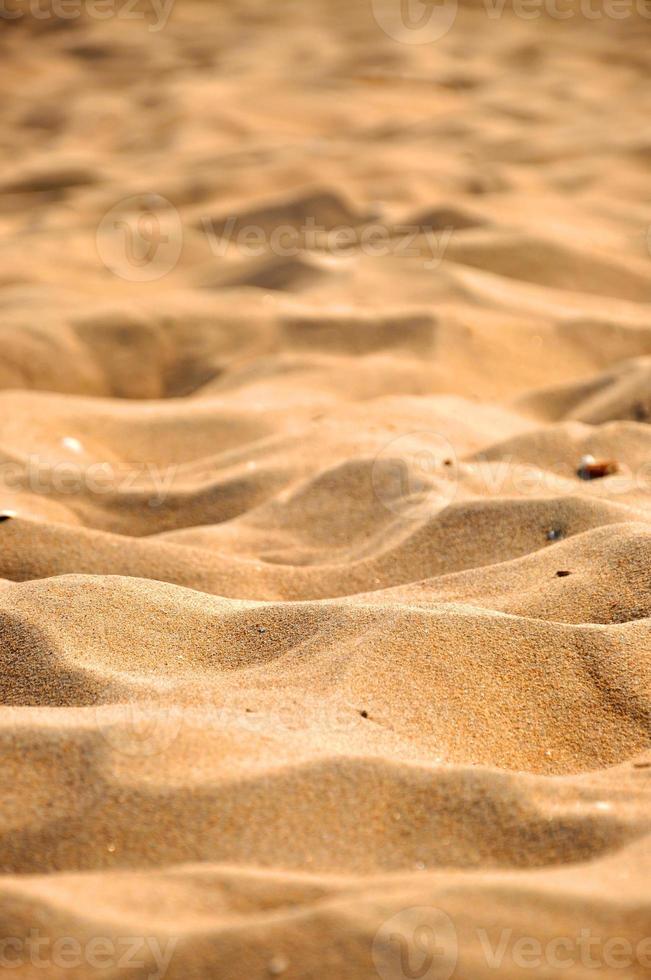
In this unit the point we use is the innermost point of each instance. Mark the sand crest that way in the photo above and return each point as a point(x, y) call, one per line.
point(325, 475)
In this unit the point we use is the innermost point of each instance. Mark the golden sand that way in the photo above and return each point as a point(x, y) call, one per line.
point(320, 655)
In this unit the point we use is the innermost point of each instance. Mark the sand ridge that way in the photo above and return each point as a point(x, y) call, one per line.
point(311, 633)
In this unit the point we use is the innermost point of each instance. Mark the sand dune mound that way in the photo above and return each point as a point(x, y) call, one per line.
point(276, 272)
point(347, 334)
point(620, 393)
point(445, 218)
point(325, 473)
point(603, 564)
point(554, 264)
point(594, 675)
point(317, 210)
point(414, 816)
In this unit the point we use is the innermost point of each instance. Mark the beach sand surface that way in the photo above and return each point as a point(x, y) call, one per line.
point(318, 657)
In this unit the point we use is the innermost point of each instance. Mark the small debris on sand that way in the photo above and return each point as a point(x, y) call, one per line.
point(593, 469)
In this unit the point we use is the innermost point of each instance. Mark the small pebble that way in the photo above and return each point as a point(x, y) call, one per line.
point(593, 469)
point(72, 444)
point(554, 534)
point(563, 574)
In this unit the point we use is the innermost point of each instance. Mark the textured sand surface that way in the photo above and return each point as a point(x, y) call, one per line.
point(317, 657)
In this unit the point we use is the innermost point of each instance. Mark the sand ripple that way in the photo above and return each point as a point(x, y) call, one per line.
point(307, 617)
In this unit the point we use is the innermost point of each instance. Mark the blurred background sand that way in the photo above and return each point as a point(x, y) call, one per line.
point(318, 657)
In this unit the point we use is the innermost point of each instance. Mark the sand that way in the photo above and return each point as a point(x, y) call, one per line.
point(318, 656)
